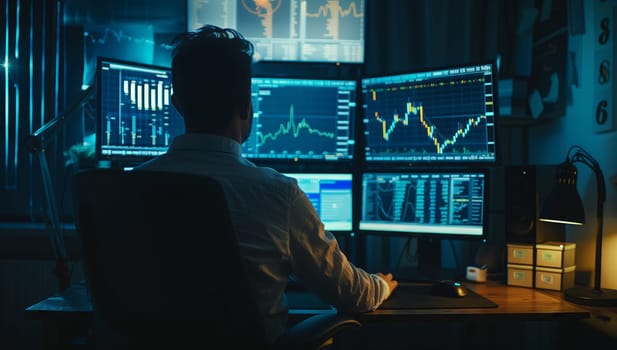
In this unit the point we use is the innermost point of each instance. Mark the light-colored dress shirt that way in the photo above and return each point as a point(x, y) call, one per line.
point(278, 229)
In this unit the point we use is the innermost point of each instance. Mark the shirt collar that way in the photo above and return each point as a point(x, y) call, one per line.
point(206, 142)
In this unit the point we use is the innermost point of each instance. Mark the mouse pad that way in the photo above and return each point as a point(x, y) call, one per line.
point(415, 296)
point(406, 296)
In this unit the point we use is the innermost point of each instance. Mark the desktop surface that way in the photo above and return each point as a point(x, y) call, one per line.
point(509, 300)
point(68, 314)
point(407, 296)
point(511, 303)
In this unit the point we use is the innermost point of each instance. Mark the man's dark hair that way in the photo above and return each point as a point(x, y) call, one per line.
point(211, 76)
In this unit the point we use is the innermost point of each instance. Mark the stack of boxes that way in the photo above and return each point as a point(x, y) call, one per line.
point(520, 265)
point(547, 265)
point(555, 265)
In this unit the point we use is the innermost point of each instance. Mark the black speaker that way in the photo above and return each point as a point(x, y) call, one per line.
point(526, 188)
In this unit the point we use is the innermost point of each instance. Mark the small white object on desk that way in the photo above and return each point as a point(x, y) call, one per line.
point(476, 274)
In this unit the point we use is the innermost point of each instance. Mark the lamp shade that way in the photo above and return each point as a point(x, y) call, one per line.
point(563, 204)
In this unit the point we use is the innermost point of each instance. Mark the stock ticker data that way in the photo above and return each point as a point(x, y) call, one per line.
point(136, 116)
point(302, 119)
point(289, 30)
point(438, 202)
point(444, 115)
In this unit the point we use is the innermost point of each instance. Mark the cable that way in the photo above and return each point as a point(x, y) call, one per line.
point(400, 257)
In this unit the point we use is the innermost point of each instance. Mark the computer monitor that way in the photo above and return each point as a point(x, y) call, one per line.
point(135, 117)
point(299, 120)
point(332, 197)
point(445, 116)
point(290, 30)
point(434, 203)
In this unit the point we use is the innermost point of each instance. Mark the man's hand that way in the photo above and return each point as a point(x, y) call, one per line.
point(392, 283)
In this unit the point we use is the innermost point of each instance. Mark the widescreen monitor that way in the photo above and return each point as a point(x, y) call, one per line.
point(435, 203)
point(445, 116)
point(290, 30)
point(332, 197)
point(297, 119)
point(135, 117)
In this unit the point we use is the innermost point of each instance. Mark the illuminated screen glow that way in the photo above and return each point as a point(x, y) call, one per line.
point(440, 116)
point(331, 195)
point(301, 119)
point(289, 30)
point(136, 119)
point(436, 203)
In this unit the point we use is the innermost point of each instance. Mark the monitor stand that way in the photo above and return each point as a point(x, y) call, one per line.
point(412, 274)
point(429, 267)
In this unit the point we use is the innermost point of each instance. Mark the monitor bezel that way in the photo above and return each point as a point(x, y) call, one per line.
point(124, 160)
point(423, 234)
point(495, 161)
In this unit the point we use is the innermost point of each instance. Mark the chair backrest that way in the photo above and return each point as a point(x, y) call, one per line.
point(161, 258)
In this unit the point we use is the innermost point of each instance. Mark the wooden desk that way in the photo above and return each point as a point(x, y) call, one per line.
point(524, 318)
point(66, 314)
point(512, 303)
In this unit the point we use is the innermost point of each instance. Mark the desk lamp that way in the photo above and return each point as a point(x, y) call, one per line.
point(564, 205)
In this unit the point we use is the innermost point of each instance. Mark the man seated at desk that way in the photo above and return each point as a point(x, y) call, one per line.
point(277, 226)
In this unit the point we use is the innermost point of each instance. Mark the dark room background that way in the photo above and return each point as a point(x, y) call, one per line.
point(48, 57)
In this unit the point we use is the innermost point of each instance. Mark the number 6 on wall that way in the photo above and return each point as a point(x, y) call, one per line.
point(605, 88)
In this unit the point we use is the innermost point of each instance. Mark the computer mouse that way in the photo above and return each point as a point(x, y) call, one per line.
point(448, 288)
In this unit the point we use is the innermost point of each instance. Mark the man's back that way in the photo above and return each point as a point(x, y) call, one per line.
point(278, 229)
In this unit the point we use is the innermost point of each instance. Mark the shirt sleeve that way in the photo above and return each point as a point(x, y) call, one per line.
point(321, 265)
point(385, 289)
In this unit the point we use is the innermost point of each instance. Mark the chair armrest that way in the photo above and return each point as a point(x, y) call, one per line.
point(317, 330)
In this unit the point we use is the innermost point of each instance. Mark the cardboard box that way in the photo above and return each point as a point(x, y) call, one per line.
point(520, 275)
point(558, 255)
point(554, 279)
point(520, 253)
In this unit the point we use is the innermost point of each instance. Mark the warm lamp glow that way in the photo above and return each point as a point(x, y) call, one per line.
point(561, 222)
point(564, 205)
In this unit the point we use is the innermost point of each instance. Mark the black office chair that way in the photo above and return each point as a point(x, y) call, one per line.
point(163, 266)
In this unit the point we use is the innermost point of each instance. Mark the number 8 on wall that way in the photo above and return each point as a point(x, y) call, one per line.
point(603, 114)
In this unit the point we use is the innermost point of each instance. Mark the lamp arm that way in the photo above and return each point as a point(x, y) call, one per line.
point(599, 224)
point(37, 138)
point(56, 233)
point(583, 157)
point(37, 142)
